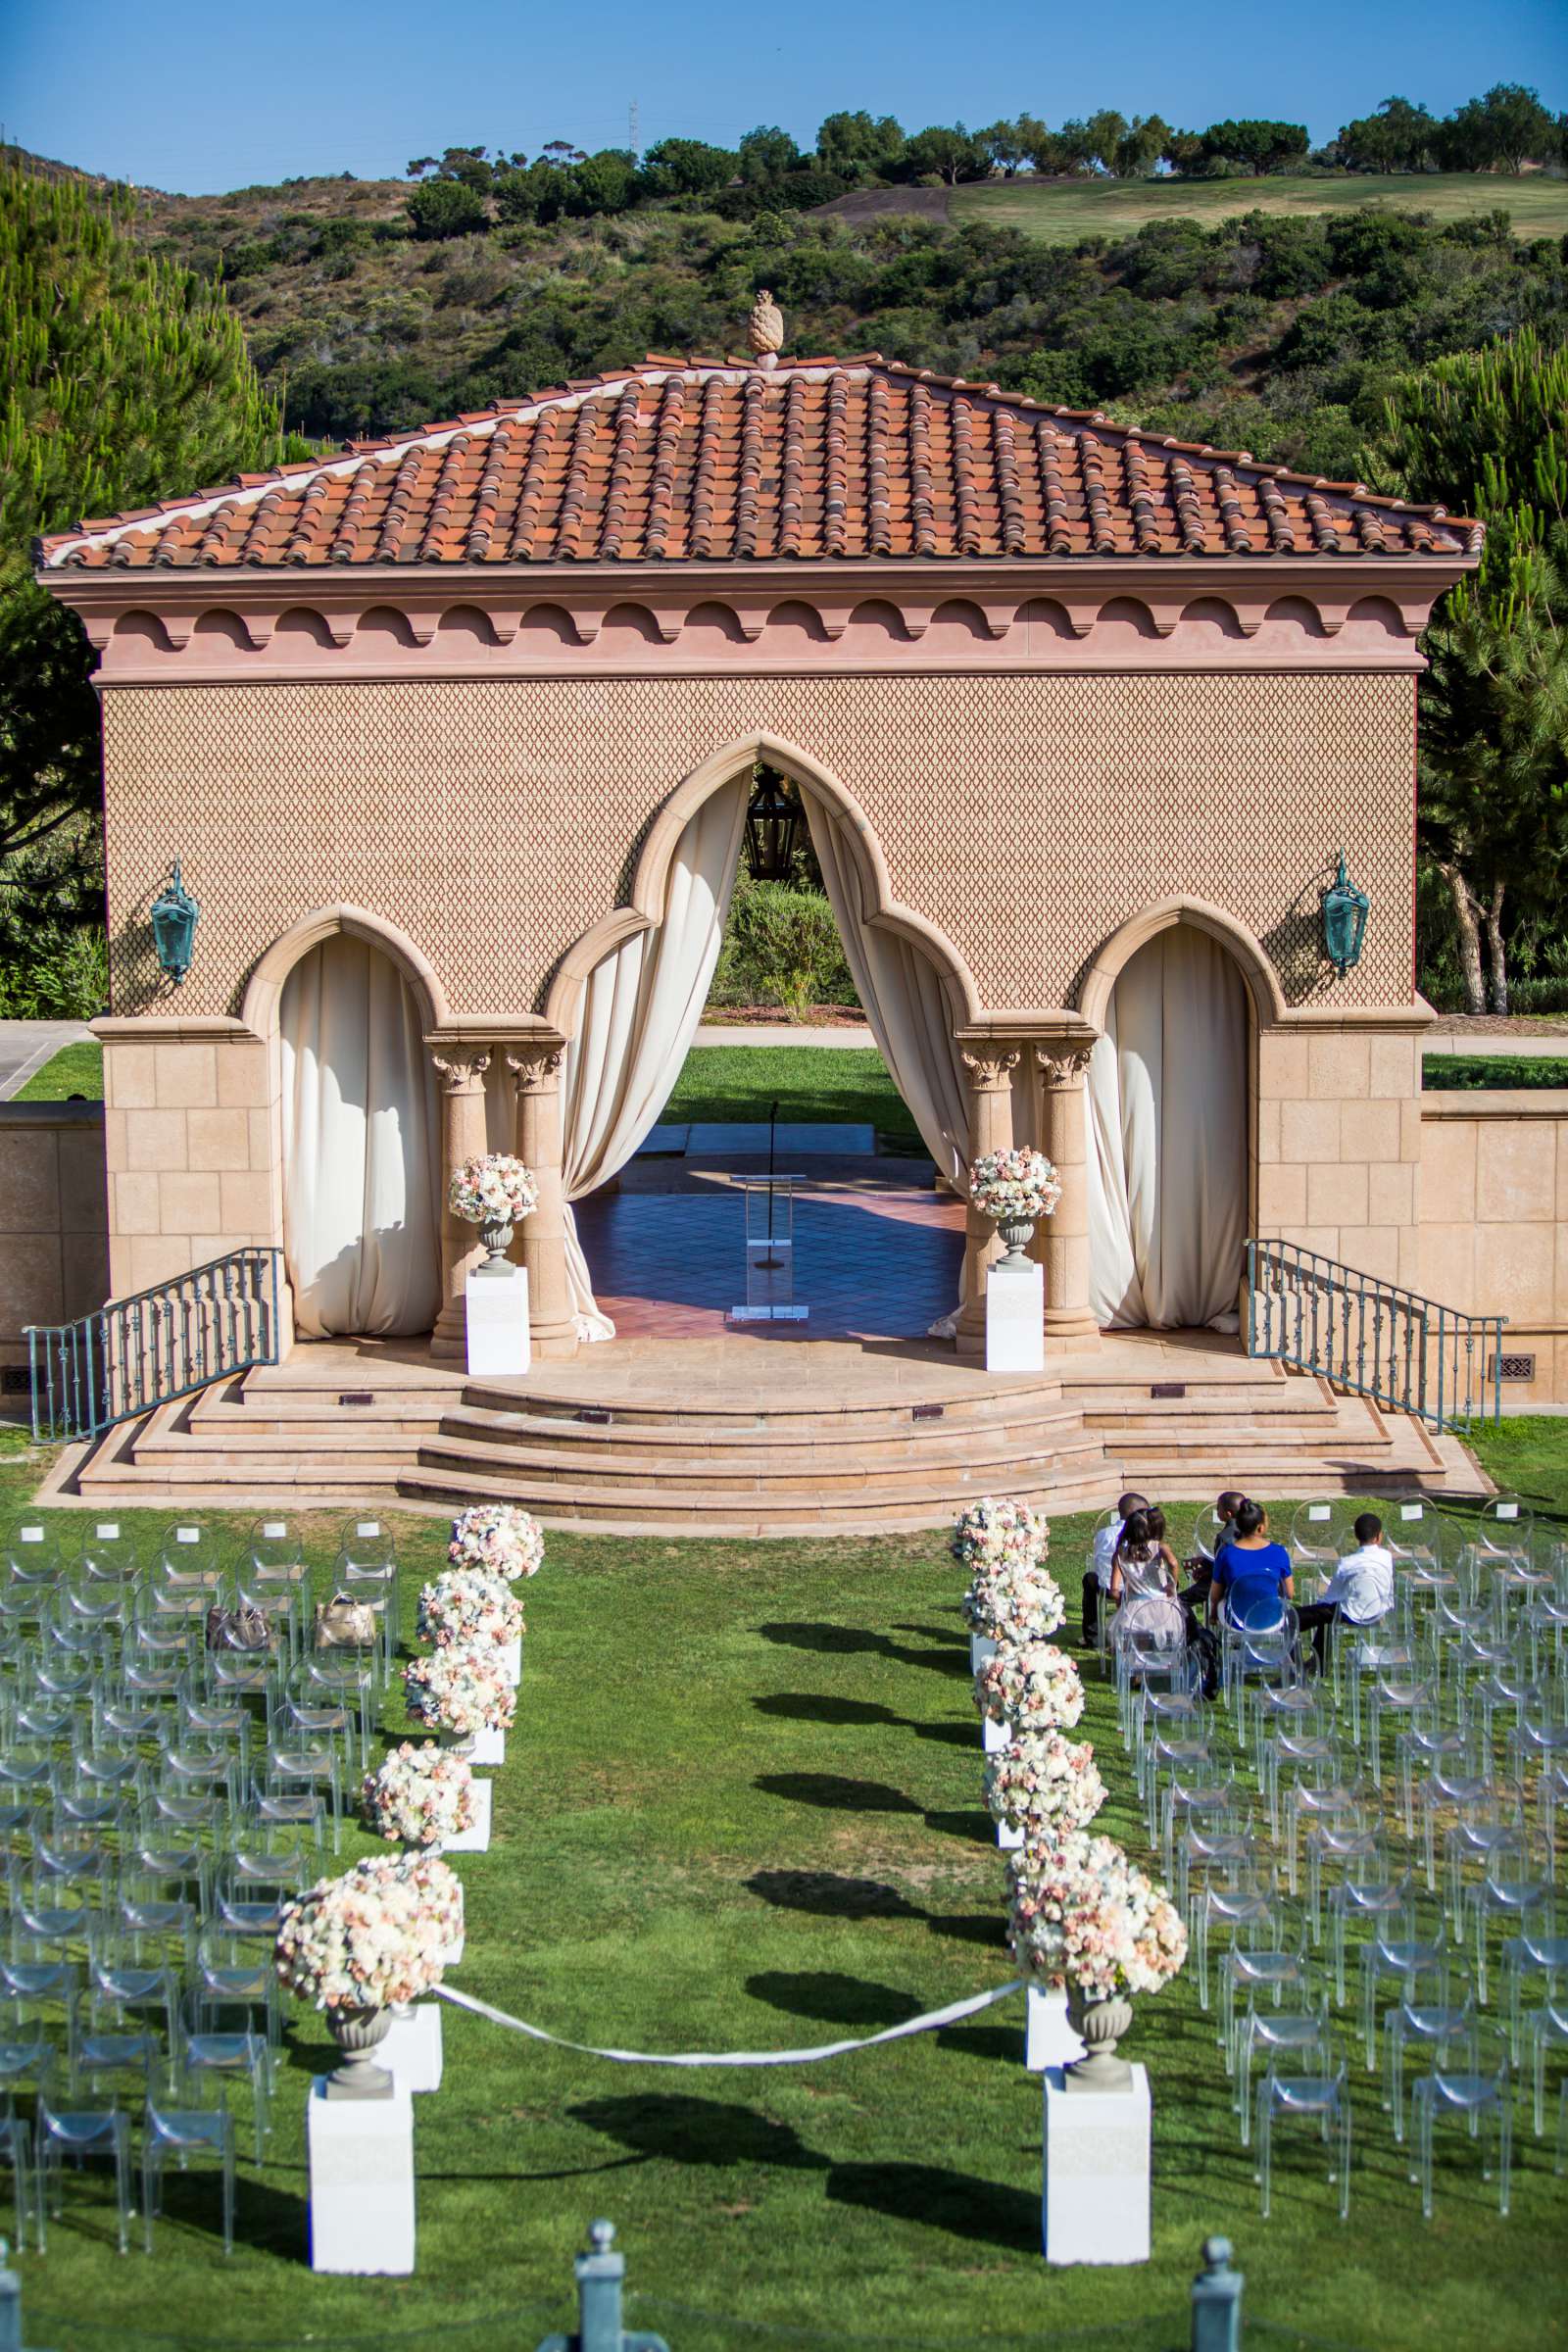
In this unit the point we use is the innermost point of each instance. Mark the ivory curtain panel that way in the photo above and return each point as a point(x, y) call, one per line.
point(1167, 1156)
point(640, 1011)
point(362, 1147)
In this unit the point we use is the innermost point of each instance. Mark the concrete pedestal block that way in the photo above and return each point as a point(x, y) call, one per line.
point(411, 2051)
point(1095, 2204)
point(981, 1647)
point(512, 1660)
point(1016, 1312)
point(498, 1321)
point(361, 2182)
point(489, 1747)
point(994, 1735)
point(1047, 2038)
point(1009, 1840)
point(477, 1839)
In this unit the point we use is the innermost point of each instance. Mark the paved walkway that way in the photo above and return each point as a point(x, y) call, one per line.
point(782, 1033)
point(1533, 1046)
point(25, 1046)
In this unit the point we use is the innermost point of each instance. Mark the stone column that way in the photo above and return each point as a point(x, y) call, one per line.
point(990, 1069)
point(552, 1325)
point(1070, 1326)
point(462, 1137)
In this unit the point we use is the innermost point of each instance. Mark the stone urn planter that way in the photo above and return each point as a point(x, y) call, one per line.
point(359, 2033)
point(1017, 1233)
point(1101, 2024)
point(496, 1236)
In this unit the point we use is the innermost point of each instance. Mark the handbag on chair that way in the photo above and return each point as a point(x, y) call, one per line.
point(244, 1628)
point(344, 1624)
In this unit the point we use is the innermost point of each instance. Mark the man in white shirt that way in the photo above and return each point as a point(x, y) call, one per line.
point(1102, 1552)
point(1361, 1592)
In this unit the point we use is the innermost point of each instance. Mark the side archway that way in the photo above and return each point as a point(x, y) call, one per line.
point(1263, 981)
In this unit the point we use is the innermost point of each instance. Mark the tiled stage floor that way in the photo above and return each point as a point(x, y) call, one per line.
point(871, 1262)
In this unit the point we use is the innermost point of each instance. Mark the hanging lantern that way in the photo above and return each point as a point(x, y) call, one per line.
point(1345, 912)
point(772, 816)
point(174, 920)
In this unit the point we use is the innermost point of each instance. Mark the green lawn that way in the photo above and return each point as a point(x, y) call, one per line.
point(741, 1809)
point(849, 1084)
point(74, 1070)
point(1061, 213)
point(1470, 1073)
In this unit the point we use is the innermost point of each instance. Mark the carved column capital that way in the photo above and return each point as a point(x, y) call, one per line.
point(991, 1067)
point(461, 1067)
point(535, 1070)
point(1064, 1066)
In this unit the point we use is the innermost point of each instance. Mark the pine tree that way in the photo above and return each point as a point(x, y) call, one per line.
point(126, 380)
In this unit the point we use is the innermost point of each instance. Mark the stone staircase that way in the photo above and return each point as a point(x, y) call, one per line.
point(732, 1439)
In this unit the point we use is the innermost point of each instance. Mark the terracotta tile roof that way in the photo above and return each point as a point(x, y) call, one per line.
point(707, 460)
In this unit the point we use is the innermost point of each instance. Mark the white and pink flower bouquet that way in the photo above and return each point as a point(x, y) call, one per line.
point(460, 1690)
point(1014, 1187)
point(437, 1889)
point(469, 1605)
point(993, 1535)
point(420, 1795)
point(1013, 1601)
point(1082, 1915)
point(361, 1941)
point(1044, 1785)
point(1032, 1686)
point(492, 1189)
point(499, 1538)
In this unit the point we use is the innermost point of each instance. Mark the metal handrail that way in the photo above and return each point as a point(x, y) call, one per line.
point(146, 1349)
point(1372, 1338)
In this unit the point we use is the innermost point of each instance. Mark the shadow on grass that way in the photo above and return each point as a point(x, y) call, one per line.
point(834, 1792)
point(940, 2199)
point(828, 1994)
point(813, 1706)
point(829, 1895)
point(854, 1640)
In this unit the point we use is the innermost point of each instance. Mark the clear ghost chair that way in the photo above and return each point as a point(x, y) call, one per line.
point(1539, 1741)
point(1364, 1654)
point(1371, 1890)
point(228, 2056)
point(1403, 1692)
point(332, 1693)
point(1400, 1949)
point(1226, 1907)
point(1470, 2084)
point(112, 2043)
point(254, 1884)
point(1274, 2034)
point(1311, 2086)
point(367, 1569)
point(1219, 1844)
point(1144, 1653)
point(88, 1611)
point(78, 2131)
point(1545, 2030)
point(296, 1807)
point(1426, 1741)
point(215, 1714)
point(165, 1878)
point(1319, 1534)
point(1539, 1950)
point(59, 1896)
point(99, 1786)
point(1183, 1744)
point(1504, 1528)
point(1417, 1537)
point(16, 2149)
point(276, 1599)
point(1546, 1626)
point(1438, 2000)
point(1260, 1653)
point(187, 1555)
point(29, 2041)
point(131, 1976)
point(1483, 1661)
point(1289, 1710)
point(1159, 1711)
point(1320, 1790)
point(195, 2123)
point(108, 1553)
point(1480, 1817)
point(233, 1981)
point(306, 1764)
point(1266, 1958)
point(1198, 1797)
point(1513, 1885)
point(1551, 1790)
point(199, 1761)
point(123, 1715)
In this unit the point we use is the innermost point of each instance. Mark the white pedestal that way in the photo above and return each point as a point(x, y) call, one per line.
point(1009, 1840)
point(981, 1647)
point(413, 2049)
point(1047, 2038)
point(512, 1662)
point(1094, 2200)
point(452, 1957)
point(996, 1736)
point(498, 1321)
point(489, 1747)
point(361, 2182)
point(477, 1839)
point(1015, 1318)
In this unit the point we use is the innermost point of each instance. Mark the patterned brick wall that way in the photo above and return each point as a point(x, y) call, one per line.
point(496, 821)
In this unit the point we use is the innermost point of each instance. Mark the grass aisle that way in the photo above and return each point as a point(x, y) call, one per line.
point(741, 1809)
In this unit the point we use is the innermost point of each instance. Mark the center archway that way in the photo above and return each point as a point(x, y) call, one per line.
point(629, 996)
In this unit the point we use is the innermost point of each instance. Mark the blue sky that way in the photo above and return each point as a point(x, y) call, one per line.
point(167, 92)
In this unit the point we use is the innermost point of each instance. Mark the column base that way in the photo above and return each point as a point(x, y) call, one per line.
point(555, 1342)
point(1070, 1333)
point(449, 1341)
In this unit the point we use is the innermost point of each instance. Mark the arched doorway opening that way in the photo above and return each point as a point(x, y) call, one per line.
point(1168, 1143)
point(630, 997)
point(360, 1139)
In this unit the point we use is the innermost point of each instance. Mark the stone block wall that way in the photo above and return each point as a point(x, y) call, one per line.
point(1493, 1230)
point(189, 1127)
point(1339, 1144)
point(54, 1222)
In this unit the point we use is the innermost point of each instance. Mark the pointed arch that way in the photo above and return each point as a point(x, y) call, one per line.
point(651, 881)
point(264, 988)
point(1263, 981)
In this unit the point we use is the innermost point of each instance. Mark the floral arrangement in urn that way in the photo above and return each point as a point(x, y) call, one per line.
point(360, 1942)
point(420, 1795)
point(460, 1690)
point(469, 1605)
point(1082, 1915)
point(494, 1191)
point(1032, 1686)
point(1044, 1785)
point(1013, 1603)
point(992, 1534)
point(499, 1538)
point(437, 1888)
point(1017, 1189)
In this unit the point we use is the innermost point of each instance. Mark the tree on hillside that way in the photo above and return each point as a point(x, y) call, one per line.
point(858, 147)
point(1396, 138)
point(945, 152)
point(125, 378)
point(1504, 130)
point(446, 208)
point(1105, 130)
point(1486, 434)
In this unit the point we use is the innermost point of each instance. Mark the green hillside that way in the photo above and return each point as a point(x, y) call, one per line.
point(1061, 212)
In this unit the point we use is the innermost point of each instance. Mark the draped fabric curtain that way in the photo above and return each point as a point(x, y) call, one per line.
point(362, 1147)
point(1167, 1158)
point(640, 1011)
point(905, 1005)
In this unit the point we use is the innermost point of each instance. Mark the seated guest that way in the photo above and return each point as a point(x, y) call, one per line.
point(1096, 1577)
point(1361, 1592)
point(1143, 1577)
point(1252, 1576)
point(1201, 1567)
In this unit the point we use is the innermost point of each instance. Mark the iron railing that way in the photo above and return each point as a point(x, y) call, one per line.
point(136, 1353)
point(1372, 1338)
